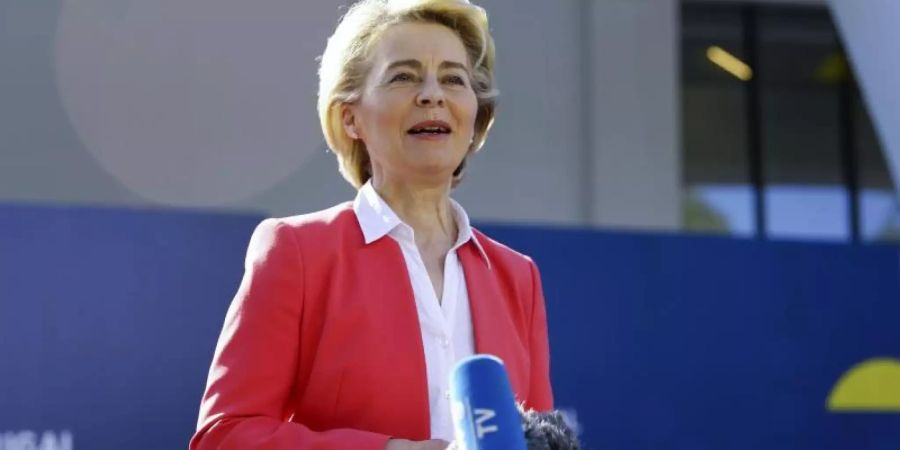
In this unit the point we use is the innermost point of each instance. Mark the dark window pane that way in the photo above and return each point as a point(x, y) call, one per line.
point(714, 123)
point(809, 104)
point(805, 194)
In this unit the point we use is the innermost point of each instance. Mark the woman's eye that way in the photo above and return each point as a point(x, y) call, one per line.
point(402, 77)
point(456, 79)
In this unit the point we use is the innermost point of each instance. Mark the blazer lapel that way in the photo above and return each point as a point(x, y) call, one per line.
point(390, 284)
point(492, 324)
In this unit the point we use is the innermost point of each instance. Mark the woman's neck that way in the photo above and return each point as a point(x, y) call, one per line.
point(424, 208)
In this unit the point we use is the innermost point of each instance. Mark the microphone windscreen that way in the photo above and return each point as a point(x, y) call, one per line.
point(485, 416)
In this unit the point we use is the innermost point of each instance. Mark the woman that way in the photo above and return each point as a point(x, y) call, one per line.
point(348, 320)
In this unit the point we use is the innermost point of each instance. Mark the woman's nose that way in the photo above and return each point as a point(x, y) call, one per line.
point(431, 94)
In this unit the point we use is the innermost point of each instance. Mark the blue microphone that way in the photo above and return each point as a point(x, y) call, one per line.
point(484, 410)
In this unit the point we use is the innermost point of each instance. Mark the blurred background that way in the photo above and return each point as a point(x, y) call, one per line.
point(709, 189)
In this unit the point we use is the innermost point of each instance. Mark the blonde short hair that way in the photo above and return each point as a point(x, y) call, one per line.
point(345, 64)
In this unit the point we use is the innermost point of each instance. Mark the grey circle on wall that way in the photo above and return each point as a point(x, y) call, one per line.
point(197, 102)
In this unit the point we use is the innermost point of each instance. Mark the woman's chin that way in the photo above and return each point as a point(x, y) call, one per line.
point(434, 159)
point(436, 172)
point(423, 147)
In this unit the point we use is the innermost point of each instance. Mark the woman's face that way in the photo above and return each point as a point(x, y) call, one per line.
point(417, 110)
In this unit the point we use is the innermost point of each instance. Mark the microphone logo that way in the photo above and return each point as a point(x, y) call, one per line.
point(479, 421)
point(482, 415)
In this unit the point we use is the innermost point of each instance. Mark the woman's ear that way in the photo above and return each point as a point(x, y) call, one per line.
point(348, 119)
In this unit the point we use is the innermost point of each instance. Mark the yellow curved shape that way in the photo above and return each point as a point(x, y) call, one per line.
point(870, 386)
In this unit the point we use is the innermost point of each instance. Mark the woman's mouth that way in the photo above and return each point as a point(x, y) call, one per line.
point(430, 130)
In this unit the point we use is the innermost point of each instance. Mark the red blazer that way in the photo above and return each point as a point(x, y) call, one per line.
point(321, 347)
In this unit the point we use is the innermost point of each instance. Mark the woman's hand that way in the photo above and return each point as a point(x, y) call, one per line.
point(403, 444)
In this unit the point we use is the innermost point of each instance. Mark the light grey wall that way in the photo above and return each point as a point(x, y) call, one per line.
point(634, 134)
point(162, 103)
point(530, 167)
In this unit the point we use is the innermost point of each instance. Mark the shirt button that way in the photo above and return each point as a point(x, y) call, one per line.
point(445, 342)
point(447, 394)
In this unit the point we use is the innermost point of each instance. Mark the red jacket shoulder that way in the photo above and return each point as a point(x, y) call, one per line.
point(328, 226)
point(338, 216)
point(502, 255)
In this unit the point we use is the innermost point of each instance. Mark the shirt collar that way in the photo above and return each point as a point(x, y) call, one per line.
point(377, 219)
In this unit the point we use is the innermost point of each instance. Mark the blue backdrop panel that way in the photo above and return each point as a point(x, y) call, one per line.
point(108, 320)
point(676, 342)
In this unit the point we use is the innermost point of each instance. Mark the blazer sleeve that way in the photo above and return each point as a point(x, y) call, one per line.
point(540, 393)
point(254, 365)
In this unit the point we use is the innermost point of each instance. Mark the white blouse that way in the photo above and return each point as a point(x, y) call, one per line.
point(446, 325)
